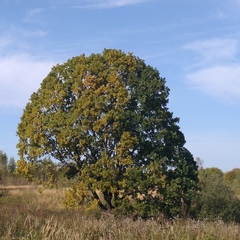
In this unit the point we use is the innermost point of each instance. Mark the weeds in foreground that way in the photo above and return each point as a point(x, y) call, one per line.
point(32, 215)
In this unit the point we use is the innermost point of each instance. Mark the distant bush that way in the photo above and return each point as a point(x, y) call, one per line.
point(216, 200)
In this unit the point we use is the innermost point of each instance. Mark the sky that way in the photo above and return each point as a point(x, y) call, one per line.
point(195, 45)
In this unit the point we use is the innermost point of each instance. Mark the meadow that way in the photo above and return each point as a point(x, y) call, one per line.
point(29, 213)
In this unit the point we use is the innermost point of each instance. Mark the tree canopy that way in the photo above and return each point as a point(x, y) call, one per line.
point(105, 116)
point(217, 200)
point(3, 160)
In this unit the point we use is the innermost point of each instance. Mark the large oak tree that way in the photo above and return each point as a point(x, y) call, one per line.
point(105, 116)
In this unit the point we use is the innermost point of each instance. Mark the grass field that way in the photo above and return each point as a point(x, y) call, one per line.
point(26, 213)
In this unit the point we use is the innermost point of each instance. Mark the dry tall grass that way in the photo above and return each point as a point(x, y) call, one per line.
point(29, 214)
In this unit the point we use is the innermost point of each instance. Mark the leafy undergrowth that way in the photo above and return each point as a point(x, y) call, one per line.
point(30, 214)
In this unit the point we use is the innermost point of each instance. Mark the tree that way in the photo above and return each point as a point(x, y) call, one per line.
point(11, 166)
point(199, 162)
point(216, 199)
point(3, 165)
point(43, 172)
point(232, 179)
point(106, 117)
point(3, 160)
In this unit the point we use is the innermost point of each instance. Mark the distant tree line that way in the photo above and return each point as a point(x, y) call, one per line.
point(217, 198)
point(8, 174)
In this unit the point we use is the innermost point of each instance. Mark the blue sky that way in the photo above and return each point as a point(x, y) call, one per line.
point(194, 44)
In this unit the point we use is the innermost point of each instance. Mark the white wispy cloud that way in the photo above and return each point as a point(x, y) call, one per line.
point(17, 38)
point(221, 80)
point(218, 70)
point(20, 76)
point(119, 3)
point(215, 49)
point(95, 4)
point(34, 33)
point(33, 15)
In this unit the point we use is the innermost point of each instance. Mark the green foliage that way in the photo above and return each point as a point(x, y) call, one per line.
point(43, 172)
point(232, 179)
point(7, 170)
point(106, 117)
point(216, 199)
point(3, 165)
point(3, 160)
point(11, 166)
